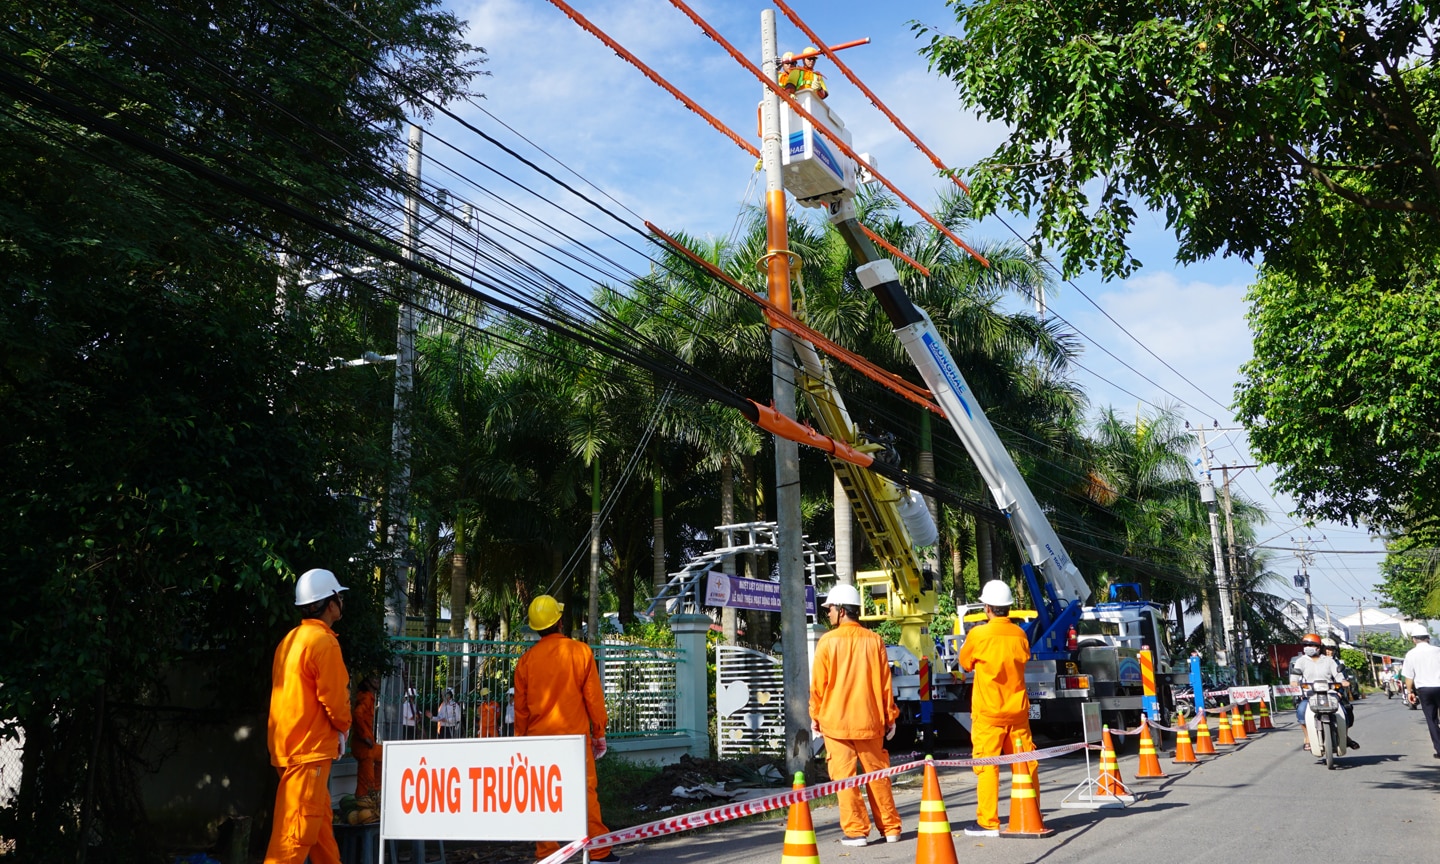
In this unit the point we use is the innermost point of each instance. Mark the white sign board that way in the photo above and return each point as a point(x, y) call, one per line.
point(484, 789)
point(1249, 694)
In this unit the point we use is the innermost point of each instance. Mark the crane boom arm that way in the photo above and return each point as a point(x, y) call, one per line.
point(932, 358)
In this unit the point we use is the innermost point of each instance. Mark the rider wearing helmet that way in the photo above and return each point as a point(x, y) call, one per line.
point(1310, 668)
point(1350, 687)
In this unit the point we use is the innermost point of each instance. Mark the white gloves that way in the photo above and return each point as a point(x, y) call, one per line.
point(601, 748)
point(815, 726)
point(343, 739)
point(889, 731)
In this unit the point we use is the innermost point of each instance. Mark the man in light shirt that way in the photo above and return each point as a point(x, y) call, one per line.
point(1421, 671)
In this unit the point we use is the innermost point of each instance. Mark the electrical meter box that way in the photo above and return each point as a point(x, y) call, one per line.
point(815, 171)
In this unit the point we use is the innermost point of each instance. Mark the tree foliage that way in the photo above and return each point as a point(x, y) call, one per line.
point(1228, 119)
point(171, 462)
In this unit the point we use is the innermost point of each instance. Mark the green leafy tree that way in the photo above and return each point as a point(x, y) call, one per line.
point(168, 459)
point(1230, 120)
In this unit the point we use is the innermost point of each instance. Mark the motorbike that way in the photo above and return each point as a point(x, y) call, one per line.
point(1392, 688)
point(1324, 705)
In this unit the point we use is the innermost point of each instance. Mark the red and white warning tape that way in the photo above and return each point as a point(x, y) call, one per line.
point(740, 809)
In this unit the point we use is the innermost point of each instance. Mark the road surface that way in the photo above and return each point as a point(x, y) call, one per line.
point(1263, 800)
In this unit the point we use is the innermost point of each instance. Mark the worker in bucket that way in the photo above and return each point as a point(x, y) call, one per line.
point(309, 716)
point(996, 652)
point(809, 78)
point(558, 692)
point(852, 704)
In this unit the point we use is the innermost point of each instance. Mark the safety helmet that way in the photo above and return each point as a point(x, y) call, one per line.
point(812, 51)
point(544, 612)
point(996, 593)
point(1310, 639)
point(787, 57)
point(843, 594)
point(1416, 630)
point(316, 585)
point(1328, 642)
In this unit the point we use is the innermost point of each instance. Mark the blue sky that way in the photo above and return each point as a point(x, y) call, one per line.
point(566, 92)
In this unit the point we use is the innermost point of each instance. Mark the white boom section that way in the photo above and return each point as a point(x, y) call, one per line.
point(932, 358)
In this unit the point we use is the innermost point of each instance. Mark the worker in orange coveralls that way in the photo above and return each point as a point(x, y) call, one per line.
point(996, 652)
point(487, 716)
point(309, 716)
point(362, 740)
point(557, 692)
point(853, 706)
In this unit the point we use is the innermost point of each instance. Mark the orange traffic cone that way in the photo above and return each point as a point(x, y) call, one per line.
point(1149, 761)
point(1250, 727)
point(1237, 724)
point(1264, 722)
point(799, 831)
point(1109, 782)
point(933, 841)
point(1025, 818)
point(1204, 744)
point(1184, 753)
point(1225, 739)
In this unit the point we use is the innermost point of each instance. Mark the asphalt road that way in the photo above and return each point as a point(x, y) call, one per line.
point(1263, 800)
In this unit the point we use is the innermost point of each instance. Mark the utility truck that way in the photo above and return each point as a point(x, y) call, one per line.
point(1080, 652)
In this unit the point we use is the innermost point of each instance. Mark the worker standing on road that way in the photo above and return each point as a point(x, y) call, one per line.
point(997, 652)
point(557, 692)
point(852, 704)
point(1421, 671)
point(309, 716)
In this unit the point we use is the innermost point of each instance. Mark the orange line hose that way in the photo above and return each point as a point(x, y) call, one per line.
point(890, 247)
point(874, 100)
point(820, 127)
point(889, 380)
point(654, 76)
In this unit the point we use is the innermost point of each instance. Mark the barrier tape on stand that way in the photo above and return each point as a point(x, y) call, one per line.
point(728, 812)
point(566, 851)
point(1012, 758)
point(755, 806)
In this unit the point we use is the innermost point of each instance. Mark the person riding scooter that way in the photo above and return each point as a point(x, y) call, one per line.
point(1309, 668)
point(1349, 688)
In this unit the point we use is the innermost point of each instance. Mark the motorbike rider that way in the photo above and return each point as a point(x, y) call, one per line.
point(1349, 687)
point(1313, 667)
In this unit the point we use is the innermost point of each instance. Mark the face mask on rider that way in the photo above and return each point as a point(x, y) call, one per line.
point(1311, 650)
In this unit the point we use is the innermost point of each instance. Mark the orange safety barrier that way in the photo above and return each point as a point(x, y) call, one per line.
point(1109, 782)
point(1204, 744)
point(1149, 760)
point(1025, 820)
point(800, 845)
point(934, 844)
point(1184, 752)
point(1226, 739)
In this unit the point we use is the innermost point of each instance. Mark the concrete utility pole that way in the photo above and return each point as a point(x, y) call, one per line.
point(1306, 556)
point(1225, 648)
point(1369, 655)
point(399, 528)
point(1243, 657)
point(787, 453)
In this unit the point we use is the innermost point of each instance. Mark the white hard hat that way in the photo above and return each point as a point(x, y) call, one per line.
point(996, 593)
point(843, 594)
point(316, 585)
point(1415, 629)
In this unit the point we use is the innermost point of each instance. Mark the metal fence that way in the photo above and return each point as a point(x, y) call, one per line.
point(639, 683)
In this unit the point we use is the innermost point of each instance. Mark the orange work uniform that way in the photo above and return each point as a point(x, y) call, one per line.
point(852, 700)
point(487, 720)
point(558, 692)
point(309, 710)
point(999, 708)
point(364, 746)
